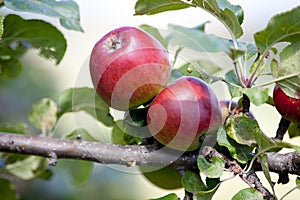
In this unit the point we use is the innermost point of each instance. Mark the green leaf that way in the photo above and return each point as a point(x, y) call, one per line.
point(213, 168)
point(80, 170)
point(263, 159)
point(289, 65)
point(28, 168)
point(7, 190)
point(155, 33)
point(84, 99)
point(171, 196)
point(230, 15)
point(80, 132)
point(294, 129)
point(66, 11)
point(150, 7)
point(202, 69)
point(257, 95)
point(196, 39)
point(241, 153)
point(192, 182)
point(249, 194)
point(10, 68)
point(234, 88)
point(1, 26)
point(241, 129)
point(126, 134)
point(20, 35)
point(19, 128)
point(298, 182)
point(284, 27)
point(208, 194)
point(43, 114)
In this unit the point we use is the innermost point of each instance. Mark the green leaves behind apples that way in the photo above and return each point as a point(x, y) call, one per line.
point(203, 69)
point(196, 39)
point(43, 114)
point(1, 26)
point(241, 153)
point(66, 11)
point(245, 130)
point(284, 27)
point(151, 7)
point(28, 168)
point(248, 193)
point(19, 35)
point(155, 33)
point(234, 84)
point(125, 134)
point(79, 170)
point(84, 99)
point(79, 133)
point(257, 95)
point(213, 168)
point(289, 67)
point(193, 183)
point(7, 189)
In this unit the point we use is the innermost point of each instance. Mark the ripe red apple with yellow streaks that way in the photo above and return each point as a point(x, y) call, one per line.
point(183, 111)
point(287, 106)
point(128, 67)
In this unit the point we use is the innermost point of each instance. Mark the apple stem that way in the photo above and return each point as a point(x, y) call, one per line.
point(282, 128)
point(246, 104)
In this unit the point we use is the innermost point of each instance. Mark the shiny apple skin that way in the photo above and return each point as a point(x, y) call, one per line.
point(182, 112)
point(128, 67)
point(287, 106)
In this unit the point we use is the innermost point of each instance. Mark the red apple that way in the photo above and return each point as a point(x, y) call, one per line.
point(234, 109)
point(288, 107)
point(128, 67)
point(182, 112)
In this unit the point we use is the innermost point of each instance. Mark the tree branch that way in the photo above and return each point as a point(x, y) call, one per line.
point(129, 155)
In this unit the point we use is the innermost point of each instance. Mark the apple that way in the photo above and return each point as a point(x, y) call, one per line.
point(234, 109)
point(166, 178)
point(287, 106)
point(128, 67)
point(183, 111)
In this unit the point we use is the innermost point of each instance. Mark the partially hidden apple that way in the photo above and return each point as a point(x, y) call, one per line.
point(128, 67)
point(231, 107)
point(183, 111)
point(287, 106)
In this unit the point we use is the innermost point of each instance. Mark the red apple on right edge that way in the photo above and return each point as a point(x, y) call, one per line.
point(287, 106)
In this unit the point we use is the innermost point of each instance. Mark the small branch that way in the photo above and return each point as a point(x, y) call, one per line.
point(246, 104)
point(252, 178)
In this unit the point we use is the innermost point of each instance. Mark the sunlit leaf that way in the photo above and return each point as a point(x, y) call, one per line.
point(284, 27)
point(289, 64)
point(155, 33)
point(249, 194)
point(213, 168)
point(208, 194)
point(43, 114)
point(196, 39)
point(230, 15)
point(263, 159)
point(18, 128)
point(298, 182)
point(234, 87)
point(28, 168)
point(257, 95)
point(150, 7)
point(84, 99)
point(66, 11)
point(123, 133)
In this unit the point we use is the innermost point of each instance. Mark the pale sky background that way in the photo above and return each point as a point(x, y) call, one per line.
point(99, 17)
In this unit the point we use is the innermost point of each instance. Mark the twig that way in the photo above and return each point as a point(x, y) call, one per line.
point(282, 128)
